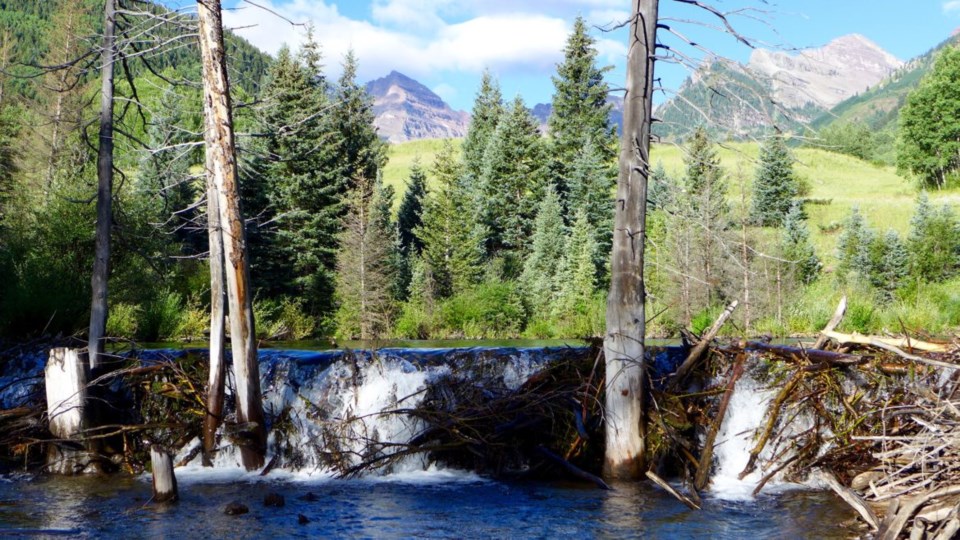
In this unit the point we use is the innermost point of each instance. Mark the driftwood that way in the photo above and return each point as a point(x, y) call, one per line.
point(907, 509)
point(699, 351)
point(852, 499)
point(880, 342)
point(669, 489)
point(832, 324)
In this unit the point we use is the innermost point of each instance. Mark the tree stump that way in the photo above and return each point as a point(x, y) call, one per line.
point(164, 481)
point(66, 385)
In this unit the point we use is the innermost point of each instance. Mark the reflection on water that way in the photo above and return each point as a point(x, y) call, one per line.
point(119, 507)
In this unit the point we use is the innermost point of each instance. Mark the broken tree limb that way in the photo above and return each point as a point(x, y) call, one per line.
point(669, 489)
point(832, 324)
point(703, 468)
point(699, 351)
point(901, 343)
point(907, 356)
point(813, 355)
point(851, 499)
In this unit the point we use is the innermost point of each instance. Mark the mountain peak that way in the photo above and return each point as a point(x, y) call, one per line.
point(405, 110)
point(826, 75)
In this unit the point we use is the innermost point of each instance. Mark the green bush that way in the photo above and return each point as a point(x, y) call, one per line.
point(123, 320)
point(283, 319)
point(488, 310)
point(160, 317)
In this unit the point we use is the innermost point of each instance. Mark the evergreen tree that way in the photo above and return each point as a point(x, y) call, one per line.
point(775, 186)
point(853, 245)
point(547, 250)
point(934, 242)
point(363, 153)
point(304, 175)
point(591, 186)
point(487, 111)
point(513, 178)
point(705, 213)
point(452, 237)
point(659, 187)
point(887, 263)
point(409, 216)
point(929, 139)
point(576, 275)
point(580, 115)
point(364, 274)
point(796, 246)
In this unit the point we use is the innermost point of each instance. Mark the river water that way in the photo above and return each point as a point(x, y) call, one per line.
point(416, 499)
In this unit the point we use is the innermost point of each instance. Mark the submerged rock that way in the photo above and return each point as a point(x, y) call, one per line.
point(235, 509)
point(274, 500)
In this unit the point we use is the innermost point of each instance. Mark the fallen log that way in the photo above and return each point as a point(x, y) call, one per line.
point(874, 341)
point(699, 351)
point(813, 355)
point(669, 489)
point(832, 323)
point(852, 499)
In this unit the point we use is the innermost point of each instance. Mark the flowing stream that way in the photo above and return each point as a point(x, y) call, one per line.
point(413, 497)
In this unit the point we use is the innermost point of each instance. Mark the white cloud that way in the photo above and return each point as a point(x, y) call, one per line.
point(445, 91)
point(482, 34)
point(951, 6)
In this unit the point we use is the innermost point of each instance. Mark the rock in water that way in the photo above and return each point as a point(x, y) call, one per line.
point(235, 509)
point(274, 500)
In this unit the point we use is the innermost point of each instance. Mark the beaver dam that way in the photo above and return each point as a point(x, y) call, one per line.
point(871, 423)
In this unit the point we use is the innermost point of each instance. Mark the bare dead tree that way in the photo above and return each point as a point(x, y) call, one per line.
point(221, 160)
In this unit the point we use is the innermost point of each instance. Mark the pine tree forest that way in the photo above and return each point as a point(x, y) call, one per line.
point(504, 233)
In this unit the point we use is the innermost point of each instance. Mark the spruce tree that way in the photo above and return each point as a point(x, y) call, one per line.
point(487, 111)
point(934, 242)
point(887, 263)
point(513, 179)
point(363, 153)
point(303, 173)
point(775, 187)
point(547, 250)
point(451, 235)
point(706, 214)
point(659, 187)
point(591, 186)
point(576, 276)
point(580, 115)
point(364, 274)
point(409, 216)
point(853, 245)
point(796, 247)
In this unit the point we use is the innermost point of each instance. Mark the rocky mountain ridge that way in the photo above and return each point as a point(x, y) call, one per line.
point(407, 110)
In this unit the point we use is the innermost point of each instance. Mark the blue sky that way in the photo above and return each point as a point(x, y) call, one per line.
point(446, 44)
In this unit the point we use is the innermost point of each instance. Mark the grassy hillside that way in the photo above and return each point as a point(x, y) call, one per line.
point(837, 182)
point(402, 157)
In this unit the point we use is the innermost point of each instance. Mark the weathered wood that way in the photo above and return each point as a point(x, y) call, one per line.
point(699, 351)
point(832, 323)
point(813, 355)
point(164, 480)
point(669, 489)
point(625, 406)
point(66, 389)
point(221, 149)
point(218, 372)
point(900, 343)
point(706, 458)
point(101, 261)
point(892, 530)
point(852, 499)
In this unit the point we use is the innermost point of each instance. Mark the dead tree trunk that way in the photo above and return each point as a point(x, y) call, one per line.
point(218, 370)
point(624, 343)
point(101, 262)
point(221, 151)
